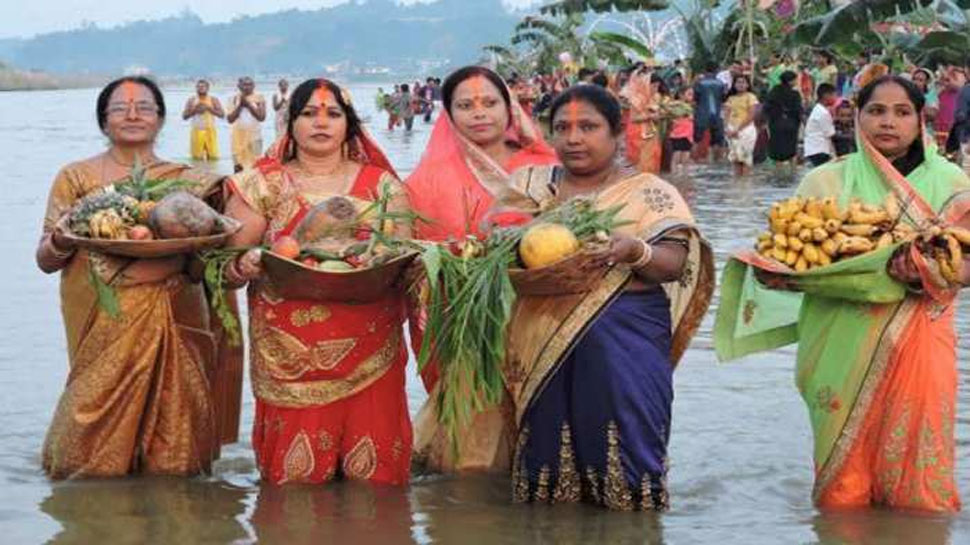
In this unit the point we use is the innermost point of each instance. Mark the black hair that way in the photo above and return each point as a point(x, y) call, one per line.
point(915, 155)
point(299, 99)
point(827, 56)
point(595, 96)
point(458, 76)
point(405, 88)
point(787, 77)
point(585, 73)
point(824, 89)
point(734, 85)
point(600, 79)
point(711, 67)
point(104, 96)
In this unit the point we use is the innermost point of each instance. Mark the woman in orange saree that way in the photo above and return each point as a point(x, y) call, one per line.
point(590, 375)
point(465, 168)
point(644, 95)
point(142, 394)
point(328, 377)
point(876, 345)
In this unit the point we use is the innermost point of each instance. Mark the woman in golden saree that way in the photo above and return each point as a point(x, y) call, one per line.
point(590, 375)
point(876, 361)
point(140, 394)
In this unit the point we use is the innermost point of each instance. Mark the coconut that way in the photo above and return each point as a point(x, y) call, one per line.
point(334, 217)
point(182, 215)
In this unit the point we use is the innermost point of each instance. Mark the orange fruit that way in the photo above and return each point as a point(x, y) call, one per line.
point(286, 247)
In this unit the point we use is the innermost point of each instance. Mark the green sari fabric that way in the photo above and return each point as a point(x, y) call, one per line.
point(843, 317)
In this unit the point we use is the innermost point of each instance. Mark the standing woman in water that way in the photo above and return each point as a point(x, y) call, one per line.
point(590, 375)
point(140, 395)
point(483, 137)
point(876, 362)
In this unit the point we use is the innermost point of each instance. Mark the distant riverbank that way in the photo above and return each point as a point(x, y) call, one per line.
point(13, 79)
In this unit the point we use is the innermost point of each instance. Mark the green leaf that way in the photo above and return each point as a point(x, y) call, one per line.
point(623, 41)
point(106, 296)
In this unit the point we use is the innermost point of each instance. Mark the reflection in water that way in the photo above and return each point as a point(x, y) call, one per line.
point(341, 512)
point(144, 510)
point(864, 526)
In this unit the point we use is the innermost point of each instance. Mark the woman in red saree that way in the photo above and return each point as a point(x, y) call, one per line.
point(464, 170)
point(328, 378)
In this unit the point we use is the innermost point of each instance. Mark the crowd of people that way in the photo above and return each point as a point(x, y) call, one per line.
point(786, 112)
point(586, 413)
point(409, 101)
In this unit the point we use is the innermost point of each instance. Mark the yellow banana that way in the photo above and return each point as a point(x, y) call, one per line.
point(791, 257)
point(795, 243)
point(824, 259)
point(811, 253)
point(801, 265)
point(794, 227)
point(779, 254)
point(779, 226)
point(891, 204)
point(830, 209)
point(962, 234)
point(780, 240)
point(805, 235)
point(833, 225)
point(763, 245)
point(819, 234)
point(956, 254)
point(813, 207)
point(855, 245)
point(829, 247)
point(809, 221)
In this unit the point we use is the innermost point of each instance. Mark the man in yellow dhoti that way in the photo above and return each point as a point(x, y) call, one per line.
point(202, 109)
point(246, 113)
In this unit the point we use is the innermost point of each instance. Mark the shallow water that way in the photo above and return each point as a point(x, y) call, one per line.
point(741, 468)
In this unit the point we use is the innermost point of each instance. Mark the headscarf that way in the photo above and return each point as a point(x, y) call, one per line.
point(456, 182)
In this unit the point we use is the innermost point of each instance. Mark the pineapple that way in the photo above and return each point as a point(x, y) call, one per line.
point(85, 219)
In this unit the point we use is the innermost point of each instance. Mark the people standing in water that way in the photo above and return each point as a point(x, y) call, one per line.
point(590, 375)
point(709, 95)
point(820, 128)
point(247, 111)
point(203, 109)
point(405, 107)
point(681, 130)
point(141, 395)
point(783, 109)
point(876, 361)
point(328, 379)
point(281, 106)
point(479, 140)
point(740, 109)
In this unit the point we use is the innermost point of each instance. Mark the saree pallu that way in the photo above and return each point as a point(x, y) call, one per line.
point(140, 392)
point(328, 377)
point(605, 443)
point(454, 186)
point(876, 363)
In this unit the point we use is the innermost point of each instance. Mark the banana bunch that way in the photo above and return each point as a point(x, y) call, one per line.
point(98, 215)
point(944, 247)
point(809, 233)
point(107, 223)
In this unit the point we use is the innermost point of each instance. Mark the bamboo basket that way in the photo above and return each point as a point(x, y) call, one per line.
point(293, 280)
point(578, 273)
point(161, 247)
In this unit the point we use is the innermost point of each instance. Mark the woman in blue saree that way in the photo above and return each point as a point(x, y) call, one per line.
point(591, 374)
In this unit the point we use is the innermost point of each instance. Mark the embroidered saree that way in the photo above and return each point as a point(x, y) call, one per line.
point(453, 187)
point(328, 377)
point(590, 375)
point(148, 391)
point(876, 363)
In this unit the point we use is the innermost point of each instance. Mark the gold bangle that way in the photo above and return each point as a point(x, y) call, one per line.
point(59, 253)
point(646, 255)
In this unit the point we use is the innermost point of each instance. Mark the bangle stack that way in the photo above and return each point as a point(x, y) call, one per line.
point(646, 255)
point(59, 253)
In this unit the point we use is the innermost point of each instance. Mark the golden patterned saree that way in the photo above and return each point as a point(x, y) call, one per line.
point(139, 393)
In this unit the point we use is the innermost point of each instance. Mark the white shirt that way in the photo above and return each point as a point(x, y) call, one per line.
point(819, 130)
point(727, 78)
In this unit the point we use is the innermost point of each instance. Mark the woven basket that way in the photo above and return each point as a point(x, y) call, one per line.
point(578, 273)
point(161, 247)
point(293, 280)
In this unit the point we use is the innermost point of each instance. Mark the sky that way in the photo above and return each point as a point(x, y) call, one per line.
point(40, 16)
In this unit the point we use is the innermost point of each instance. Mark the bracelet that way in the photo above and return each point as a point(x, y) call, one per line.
point(646, 255)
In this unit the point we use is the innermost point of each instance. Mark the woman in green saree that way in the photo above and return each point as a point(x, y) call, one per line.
point(876, 362)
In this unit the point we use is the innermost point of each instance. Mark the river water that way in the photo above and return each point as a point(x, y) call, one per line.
point(741, 467)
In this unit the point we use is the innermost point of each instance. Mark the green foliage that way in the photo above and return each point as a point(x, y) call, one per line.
point(564, 7)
